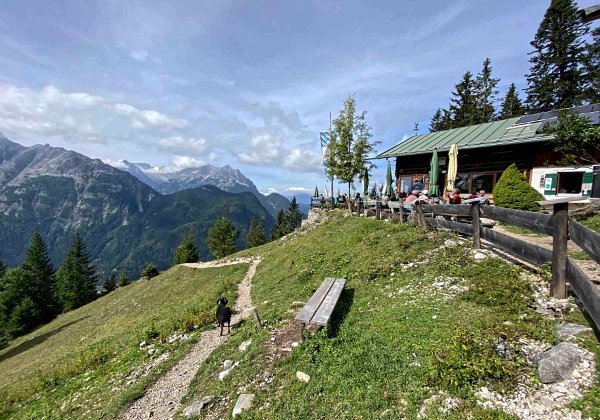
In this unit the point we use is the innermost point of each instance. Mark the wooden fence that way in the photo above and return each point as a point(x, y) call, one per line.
point(558, 225)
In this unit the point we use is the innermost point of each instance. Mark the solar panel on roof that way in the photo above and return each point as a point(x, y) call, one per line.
point(528, 118)
point(549, 115)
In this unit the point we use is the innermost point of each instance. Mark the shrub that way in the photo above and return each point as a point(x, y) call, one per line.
point(150, 271)
point(514, 192)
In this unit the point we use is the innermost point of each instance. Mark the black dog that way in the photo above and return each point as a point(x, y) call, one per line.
point(223, 314)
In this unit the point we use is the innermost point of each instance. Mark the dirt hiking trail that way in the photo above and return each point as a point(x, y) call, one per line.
point(162, 399)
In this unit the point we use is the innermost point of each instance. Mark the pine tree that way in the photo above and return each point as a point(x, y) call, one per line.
point(76, 278)
point(294, 215)
point(349, 145)
point(256, 233)
point(111, 283)
point(221, 238)
point(281, 226)
point(511, 105)
point(485, 86)
point(555, 78)
point(464, 104)
point(18, 315)
point(124, 279)
point(187, 251)
point(440, 121)
point(40, 274)
point(2, 269)
point(591, 65)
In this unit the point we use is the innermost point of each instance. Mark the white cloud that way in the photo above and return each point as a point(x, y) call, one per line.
point(182, 145)
point(147, 118)
point(300, 189)
point(52, 113)
point(139, 55)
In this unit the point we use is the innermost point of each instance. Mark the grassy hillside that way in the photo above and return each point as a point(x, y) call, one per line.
point(400, 334)
point(88, 361)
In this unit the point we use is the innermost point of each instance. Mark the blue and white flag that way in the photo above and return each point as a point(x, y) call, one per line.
point(324, 135)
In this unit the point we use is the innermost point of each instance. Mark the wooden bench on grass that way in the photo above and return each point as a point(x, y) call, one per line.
point(317, 311)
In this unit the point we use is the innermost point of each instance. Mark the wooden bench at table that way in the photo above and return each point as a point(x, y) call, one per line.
point(318, 309)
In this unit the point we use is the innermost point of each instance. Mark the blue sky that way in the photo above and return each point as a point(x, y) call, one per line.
point(249, 84)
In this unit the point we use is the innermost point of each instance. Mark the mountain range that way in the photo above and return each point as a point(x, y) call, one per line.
point(225, 177)
point(124, 222)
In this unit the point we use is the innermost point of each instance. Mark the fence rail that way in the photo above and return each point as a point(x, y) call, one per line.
point(558, 225)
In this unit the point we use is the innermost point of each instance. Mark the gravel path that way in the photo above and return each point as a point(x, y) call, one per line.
point(163, 398)
point(588, 266)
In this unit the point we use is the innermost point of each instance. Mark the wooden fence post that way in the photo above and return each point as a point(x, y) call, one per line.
point(476, 225)
point(420, 216)
point(256, 318)
point(377, 210)
point(560, 220)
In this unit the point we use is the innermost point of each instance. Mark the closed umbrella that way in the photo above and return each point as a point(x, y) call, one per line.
point(389, 191)
point(316, 191)
point(365, 183)
point(452, 167)
point(434, 174)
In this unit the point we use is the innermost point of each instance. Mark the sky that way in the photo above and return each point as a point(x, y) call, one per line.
point(247, 84)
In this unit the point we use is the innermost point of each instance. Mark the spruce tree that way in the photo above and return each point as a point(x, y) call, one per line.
point(2, 269)
point(18, 315)
point(124, 279)
point(40, 273)
point(76, 278)
point(294, 215)
point(256, 233)
point(281, 226)
point(555, 79)
point(187, 251)
point(511, 105)
point(485, 86)
point(591, 67)
point(111, 283)
point(440, 121)
point(464, 104)
point(221, 238)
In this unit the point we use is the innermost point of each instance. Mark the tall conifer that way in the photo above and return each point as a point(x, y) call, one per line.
point(556, 77)
point(40, 274)
point(76, 278)
point(294, 215)
point(511, 104)
point(464, 103)
point(485, 86)
point(256, 233)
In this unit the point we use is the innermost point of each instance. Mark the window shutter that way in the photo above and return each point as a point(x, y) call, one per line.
point(550, 184)
point(586, 185)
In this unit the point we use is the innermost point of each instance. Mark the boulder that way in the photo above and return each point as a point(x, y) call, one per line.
point(227, 364)
point(302, 376)
point(243, 402)
point(558, 363)
point(566, 331)
point(244, 345)
point(195, 409)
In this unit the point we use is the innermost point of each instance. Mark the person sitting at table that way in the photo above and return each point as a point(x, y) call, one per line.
point(455, 198)
point(483, 197)
point(413, 197)
point(473, 195)
point(424, 197)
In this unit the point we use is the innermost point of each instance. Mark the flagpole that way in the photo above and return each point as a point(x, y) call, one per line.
point(330, 152)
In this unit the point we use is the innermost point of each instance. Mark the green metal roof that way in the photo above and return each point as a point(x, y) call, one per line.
point(497, 133)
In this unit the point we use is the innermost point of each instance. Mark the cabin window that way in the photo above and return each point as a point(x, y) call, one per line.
point(482, 182)
point(462, 182)
point(570, 182)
